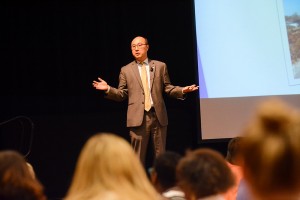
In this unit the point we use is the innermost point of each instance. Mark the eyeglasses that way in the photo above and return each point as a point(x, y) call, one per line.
point(139, 45)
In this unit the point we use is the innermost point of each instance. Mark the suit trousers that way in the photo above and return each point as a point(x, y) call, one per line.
point(140, 135)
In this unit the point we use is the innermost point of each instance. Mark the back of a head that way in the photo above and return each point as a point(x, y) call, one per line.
point(233, 150)
point(16, 180)
point(106, 164)
point(204, 172)
point(271, 150)
point(165, 168)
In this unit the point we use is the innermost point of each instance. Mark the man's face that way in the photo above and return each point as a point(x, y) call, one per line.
point(139, 48)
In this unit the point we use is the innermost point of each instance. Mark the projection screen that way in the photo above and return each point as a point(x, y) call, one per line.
point(247, 51)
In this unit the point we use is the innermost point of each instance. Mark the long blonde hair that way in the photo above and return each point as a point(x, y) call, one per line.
point(271, 150)
point(108, 167)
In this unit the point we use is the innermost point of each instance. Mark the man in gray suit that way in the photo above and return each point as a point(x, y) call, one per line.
point(144, 120)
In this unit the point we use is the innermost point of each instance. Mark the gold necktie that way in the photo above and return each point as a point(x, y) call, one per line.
point(146, 87)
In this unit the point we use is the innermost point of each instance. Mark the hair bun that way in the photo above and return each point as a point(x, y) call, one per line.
point(274, 116)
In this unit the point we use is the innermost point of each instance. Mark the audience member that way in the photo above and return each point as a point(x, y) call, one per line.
point(108, 168)
point(271, 152)
point(234, 163)
point(16, 180)
point(204, 175)
point(233, 151)
point(163, 175)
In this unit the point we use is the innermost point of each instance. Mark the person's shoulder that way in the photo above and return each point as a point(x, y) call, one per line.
point(129, 64)
point(126, 68)
point(158, 65)
point(156, 62)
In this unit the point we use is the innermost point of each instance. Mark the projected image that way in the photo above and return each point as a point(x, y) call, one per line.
point(248, 59)
point(292, 19)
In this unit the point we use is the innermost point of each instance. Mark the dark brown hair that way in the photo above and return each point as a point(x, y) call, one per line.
point(204, 172)
point(16, 180)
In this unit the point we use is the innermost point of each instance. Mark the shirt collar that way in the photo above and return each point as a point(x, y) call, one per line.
point(145, 61)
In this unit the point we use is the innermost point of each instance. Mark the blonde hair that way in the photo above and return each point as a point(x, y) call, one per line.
point(108, 167)
point(271, 150)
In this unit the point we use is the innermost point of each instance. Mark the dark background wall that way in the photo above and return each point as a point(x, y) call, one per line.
point(51, 51)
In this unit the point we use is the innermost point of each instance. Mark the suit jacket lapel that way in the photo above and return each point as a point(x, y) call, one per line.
point(152, 72)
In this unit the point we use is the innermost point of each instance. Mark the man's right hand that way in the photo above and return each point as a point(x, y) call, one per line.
point(101, 84)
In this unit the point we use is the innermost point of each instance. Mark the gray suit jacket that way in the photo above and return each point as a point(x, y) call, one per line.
point(130, 86)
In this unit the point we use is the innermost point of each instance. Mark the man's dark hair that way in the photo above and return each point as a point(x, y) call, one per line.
point(204, 172)
point(233, 149)
point(165, 168)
